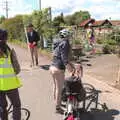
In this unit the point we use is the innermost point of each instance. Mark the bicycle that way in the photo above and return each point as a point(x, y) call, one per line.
point(91, 98)
point(72, 94)
point(72, 105)
point(25, 113)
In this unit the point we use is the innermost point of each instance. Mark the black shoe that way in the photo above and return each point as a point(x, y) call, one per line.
point(59, 110)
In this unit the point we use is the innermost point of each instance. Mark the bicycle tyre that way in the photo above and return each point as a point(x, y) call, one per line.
point(101, 107)
point(25, 114)
point(88, 88)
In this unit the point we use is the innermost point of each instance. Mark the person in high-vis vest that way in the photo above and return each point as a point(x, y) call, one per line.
point(9, 82)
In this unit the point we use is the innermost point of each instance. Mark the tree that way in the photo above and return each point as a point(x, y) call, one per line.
point(42, 21)
point(69, 20)
point(15, 28)
point(2, 19)
point(58, 21)
point(77, 18)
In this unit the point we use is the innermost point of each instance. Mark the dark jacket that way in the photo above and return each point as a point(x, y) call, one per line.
point(61, 54)
point(34, 38)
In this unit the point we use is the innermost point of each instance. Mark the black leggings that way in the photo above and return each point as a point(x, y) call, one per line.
point(13, 96)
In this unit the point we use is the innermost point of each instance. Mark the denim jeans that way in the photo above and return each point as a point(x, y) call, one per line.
point(13, 96)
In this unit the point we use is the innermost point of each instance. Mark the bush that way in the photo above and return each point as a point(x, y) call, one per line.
point(111, 42)
point(106, 49)
point(99, 41)
point(76, 42)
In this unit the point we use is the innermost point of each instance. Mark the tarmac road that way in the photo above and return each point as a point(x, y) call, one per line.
point(36, 93)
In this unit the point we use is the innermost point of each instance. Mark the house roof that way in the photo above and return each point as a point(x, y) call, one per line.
point(101, 22)
point(115, 22)
point(86, 22)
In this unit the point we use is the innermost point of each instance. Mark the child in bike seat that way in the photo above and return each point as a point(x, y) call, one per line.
point(73, 84)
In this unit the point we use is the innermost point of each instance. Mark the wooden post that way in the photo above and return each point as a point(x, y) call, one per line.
point(118, 76)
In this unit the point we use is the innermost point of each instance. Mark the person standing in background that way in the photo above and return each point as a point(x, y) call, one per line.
point(33, 39)
point(91, 38)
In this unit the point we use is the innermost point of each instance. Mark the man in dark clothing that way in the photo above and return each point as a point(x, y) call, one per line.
point(60, 62)
point(33, 39)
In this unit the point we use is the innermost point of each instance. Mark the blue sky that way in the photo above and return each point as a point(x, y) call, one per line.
point(99, 9)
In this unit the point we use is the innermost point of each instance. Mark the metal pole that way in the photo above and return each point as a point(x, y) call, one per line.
point(50, 18)
point(6, 9)
point(40, 4)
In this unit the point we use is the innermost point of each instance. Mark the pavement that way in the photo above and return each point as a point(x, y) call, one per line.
point(104, 67)
point(37, 92)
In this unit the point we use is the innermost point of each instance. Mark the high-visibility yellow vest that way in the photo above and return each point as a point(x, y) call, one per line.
point(8, 79)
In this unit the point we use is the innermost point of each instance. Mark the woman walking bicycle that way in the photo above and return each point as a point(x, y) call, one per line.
point(60, 62)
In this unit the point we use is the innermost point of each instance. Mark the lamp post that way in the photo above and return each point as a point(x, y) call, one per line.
point(40, 4)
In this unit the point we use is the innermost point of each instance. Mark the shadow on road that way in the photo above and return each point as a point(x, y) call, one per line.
point(99, 115)
point(45, 67)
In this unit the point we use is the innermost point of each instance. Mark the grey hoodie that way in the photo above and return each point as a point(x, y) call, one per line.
point(61, 54)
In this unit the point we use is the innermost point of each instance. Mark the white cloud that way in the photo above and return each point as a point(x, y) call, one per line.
point(105, 12)
point(17, 7)
point(99, 9)
point(59, 4)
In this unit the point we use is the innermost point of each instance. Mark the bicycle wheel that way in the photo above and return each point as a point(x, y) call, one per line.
point(101, 107)
point(88, 88)
point(25, 114)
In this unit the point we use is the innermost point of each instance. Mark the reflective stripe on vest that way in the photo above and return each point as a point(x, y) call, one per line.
point(7, 73)
point(7, 76)
point(8, 79)
point(5, 66)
